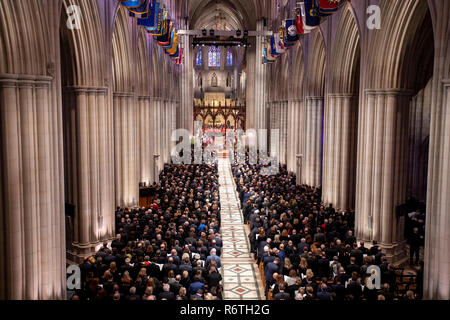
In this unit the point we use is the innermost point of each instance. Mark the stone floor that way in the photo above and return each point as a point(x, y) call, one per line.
point(241, 277)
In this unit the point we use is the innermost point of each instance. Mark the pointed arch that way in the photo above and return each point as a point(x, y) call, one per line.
point(84, 48)
point(23, 44)
point(122, 53)
point(346, 55)
point(393, 62)
point(316, 64)
point(299, 73)
point(143, 65)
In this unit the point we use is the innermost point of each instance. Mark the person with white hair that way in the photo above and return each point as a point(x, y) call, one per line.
point(213, 257)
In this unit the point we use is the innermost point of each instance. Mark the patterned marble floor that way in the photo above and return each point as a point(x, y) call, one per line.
point(240, 274)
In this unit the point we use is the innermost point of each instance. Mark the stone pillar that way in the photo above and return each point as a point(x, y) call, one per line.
point(186, 115)
point(32, 261)
point(89, 167)
point(256, 84)
point(381, 177)
point(293, 135)
point(146, 140)
point(284, 131)
point(437, 234)
point(339, 154)
point(312, 164)
point(127, 162)
point(260, 81)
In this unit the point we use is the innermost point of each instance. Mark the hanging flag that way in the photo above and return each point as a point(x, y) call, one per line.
point(132, 3)
point(328, 7)
point(158, 21)
point(268, 57)
point(142, 10)
point(299, 21)
point(279, 45)
point(179, 59)
point(291, 31)
point(150, 22)
point(312, 18)
point(283, 35)
point(176, 54)
point(173, 49)
point(161, 24)
point(169, 43)
point(164, 39)
point(273, 50)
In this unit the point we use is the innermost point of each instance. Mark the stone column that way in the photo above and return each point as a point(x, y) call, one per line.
point(87, 127)
point(32, 260)
point(186, 116)
point(437, 234)
point(381, 177)
point(339, 154)
point(312, 164)
point(260, 81)
point(284, 131)
point(127, 163)
point(293, 134)
point(146, 140)
point(159, 131)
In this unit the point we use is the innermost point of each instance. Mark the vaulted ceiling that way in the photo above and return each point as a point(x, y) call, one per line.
point(224, 14)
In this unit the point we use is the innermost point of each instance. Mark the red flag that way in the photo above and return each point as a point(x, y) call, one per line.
point(300, 29)
point(329, 4)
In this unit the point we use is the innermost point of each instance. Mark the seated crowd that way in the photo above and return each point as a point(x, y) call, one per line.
point(307, 251)
point(168, 251)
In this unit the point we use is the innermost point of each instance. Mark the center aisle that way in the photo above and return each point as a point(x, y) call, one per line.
point(240, 274)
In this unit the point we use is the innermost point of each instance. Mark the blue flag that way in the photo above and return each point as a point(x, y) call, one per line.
point(273, 50)
point(139, 11)
point(131, 3)
point(312, 13)
point(151, 20)
point(291, 30)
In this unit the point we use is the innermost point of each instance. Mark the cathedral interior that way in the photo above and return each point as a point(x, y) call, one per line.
point(350, 100)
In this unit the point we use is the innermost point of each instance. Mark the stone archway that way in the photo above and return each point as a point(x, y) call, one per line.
point(88, 133)
point(341, 110)
point(32, 254)
point(391, 70)
point(314, 91)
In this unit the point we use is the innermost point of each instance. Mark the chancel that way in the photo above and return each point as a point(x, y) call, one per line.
point(347, 102)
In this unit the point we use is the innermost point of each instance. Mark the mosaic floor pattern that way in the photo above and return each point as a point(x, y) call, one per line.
point(240, 273)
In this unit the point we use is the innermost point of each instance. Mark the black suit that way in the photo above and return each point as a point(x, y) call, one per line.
point(167, 295)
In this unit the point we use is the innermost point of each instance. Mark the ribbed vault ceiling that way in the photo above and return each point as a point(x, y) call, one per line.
point(231, 14)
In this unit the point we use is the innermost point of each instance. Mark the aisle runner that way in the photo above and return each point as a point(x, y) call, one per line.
point(240, 273)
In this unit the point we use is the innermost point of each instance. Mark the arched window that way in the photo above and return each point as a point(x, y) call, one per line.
point(199, 58)
point(214, 80)
point(229, 58)
point(214, 57)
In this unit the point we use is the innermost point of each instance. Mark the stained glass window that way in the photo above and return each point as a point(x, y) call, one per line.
point(214, 57)
point(199, 58)
point(229, 58)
